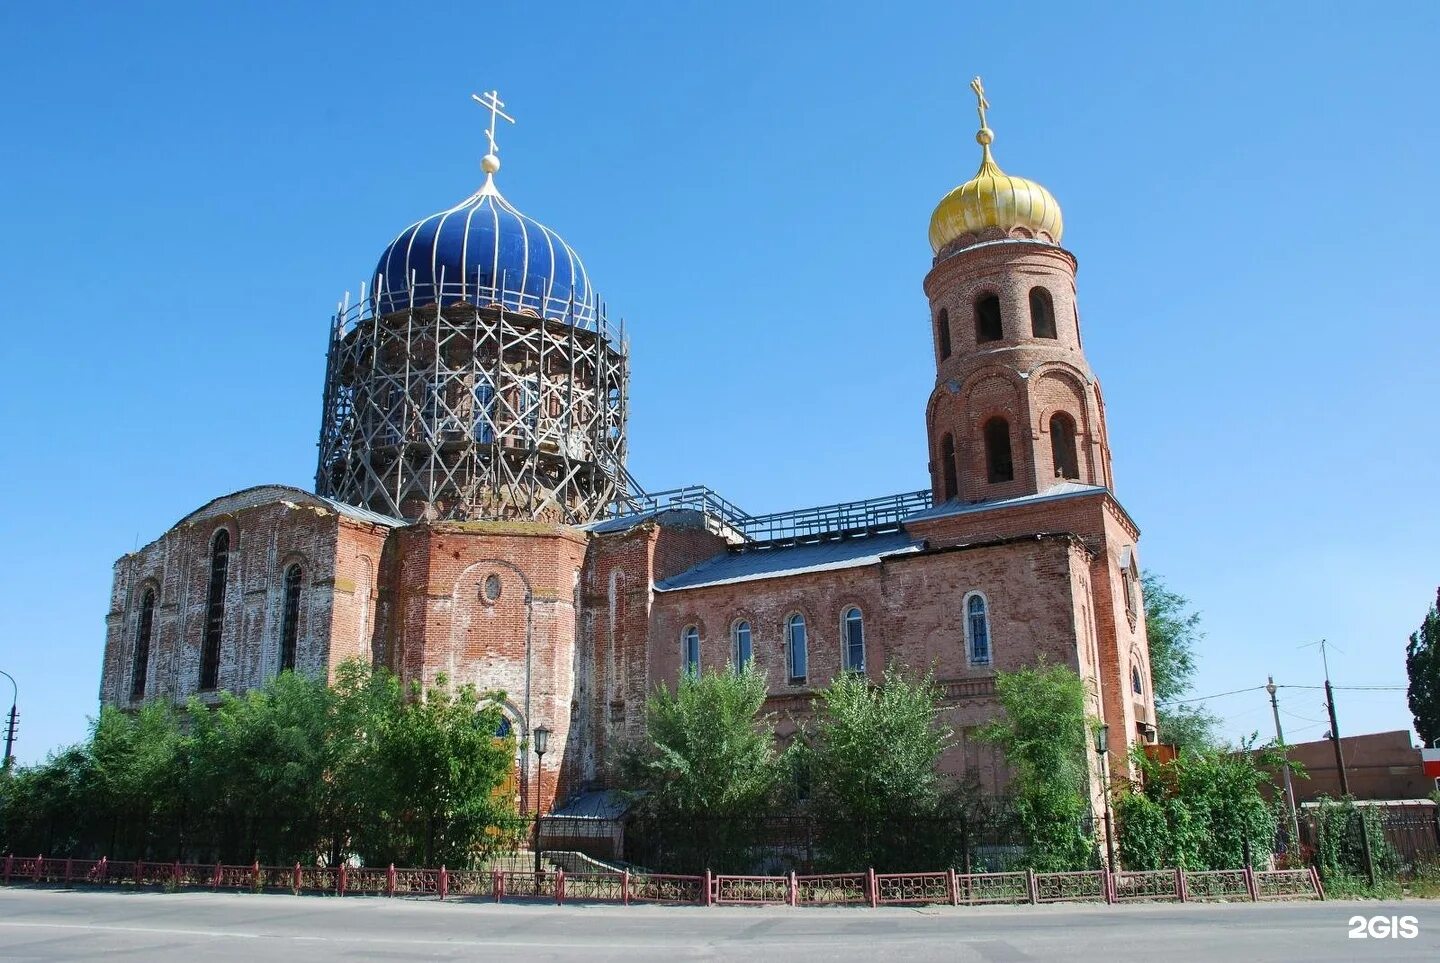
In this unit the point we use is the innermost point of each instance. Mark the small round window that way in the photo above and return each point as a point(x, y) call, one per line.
point(491, 588)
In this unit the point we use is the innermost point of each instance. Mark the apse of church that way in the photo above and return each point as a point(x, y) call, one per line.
point(473, 516)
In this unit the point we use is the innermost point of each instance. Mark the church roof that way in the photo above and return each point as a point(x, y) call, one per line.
point(759, 563)
point(267, 494)
point(484, 250)
point(947, 509)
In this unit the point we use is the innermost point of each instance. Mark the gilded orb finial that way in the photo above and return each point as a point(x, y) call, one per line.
point(490, 163)
point(993, 200)
point(984, 136)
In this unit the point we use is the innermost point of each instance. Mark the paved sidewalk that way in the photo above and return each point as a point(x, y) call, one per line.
point(42, 924)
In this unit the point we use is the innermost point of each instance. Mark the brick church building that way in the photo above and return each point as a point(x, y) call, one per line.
point(472, 514)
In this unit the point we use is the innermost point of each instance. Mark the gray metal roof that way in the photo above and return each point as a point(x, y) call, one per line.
point(363, 514)
point(947, 509)
point(267, 494)
point(620, 523)
point(751, 564)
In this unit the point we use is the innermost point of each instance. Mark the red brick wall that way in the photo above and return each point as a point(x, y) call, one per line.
point(1020, 377)
point(913, 609)
point(270, 529)
point(616, 639)
point(446, 625)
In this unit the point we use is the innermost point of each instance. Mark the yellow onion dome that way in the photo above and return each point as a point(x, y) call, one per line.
point(993, 199)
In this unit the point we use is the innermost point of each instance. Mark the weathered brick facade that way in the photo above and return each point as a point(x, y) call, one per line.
point(1025, 554)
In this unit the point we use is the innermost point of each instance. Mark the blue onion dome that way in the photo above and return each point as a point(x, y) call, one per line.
point(484, 251)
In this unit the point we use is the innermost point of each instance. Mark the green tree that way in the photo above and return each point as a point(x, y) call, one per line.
point(440, 766)
point(1044, 734)
point(708, 750)
point(1422, 665)
point(1203, 810)
point(292, 771)
point(871, 761)
point(255, 767)
point(707, 767)
point(1173, 630)
point(134, 770)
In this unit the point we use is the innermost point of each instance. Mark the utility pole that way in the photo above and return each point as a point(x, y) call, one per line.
point(1334, 726)
point(12, 723)
point(1340, 765)
point(1285, 763)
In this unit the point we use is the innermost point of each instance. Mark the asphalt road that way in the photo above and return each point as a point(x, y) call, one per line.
point(38, 924)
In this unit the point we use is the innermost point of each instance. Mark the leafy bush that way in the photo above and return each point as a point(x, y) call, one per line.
point(870, 759)
point(1340, 846)
point(1044, 734)
point(1200, 811)
point(298, 770)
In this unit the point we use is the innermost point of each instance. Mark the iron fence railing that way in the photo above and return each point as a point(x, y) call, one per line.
point(705, 889)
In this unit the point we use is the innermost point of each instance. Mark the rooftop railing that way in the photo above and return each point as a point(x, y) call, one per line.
point(798, 526)
point(429, 297)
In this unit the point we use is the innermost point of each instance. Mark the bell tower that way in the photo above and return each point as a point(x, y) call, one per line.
point(1016, 409)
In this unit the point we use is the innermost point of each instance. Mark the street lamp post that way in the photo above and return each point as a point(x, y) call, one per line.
point(542, 742)
point(12, 720)
point(1102, 746)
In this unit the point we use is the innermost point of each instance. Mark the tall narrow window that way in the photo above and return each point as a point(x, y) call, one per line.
point(949, 486)
point(530, 403)
point(215, 610)
point(854, 626)
point(290, 618)
point(690, 652)
point(143, 629)
point(977, 629)
point(742, 647)
point(796, 645)
point(1062, 446)
point(987, 319)
point(1042, 313)
point(942, 325)
point(1135, 683)
point(484, 412)
point(998, 463)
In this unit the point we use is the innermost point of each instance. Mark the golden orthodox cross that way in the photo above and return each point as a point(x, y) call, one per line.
point(983, 104)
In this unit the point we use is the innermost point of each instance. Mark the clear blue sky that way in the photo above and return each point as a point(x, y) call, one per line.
point(1250, 189)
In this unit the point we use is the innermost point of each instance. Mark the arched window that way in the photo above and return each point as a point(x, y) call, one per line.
point(949, 485)
point(690, 652)
point(215, 610)
point(484, 411)
point(741, 648)
point(942, 324)
point(290, 618)
point(797, 653)
point(977, 629)
point(1042, 313)
point(144, 626)
point(1062, 446)
point(987, 319)
point(1129, 579)
point(1135, 683)
point(530, 402)
point(998, 464)
point(854, 631)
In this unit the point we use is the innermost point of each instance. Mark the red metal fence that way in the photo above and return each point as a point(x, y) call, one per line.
point(868, 888)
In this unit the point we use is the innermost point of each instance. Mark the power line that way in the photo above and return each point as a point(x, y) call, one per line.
point(1181, 702)
point(1256, 688)
point(1351, 688)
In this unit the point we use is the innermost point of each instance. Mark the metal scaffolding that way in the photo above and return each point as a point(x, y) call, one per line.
point(468, 403)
